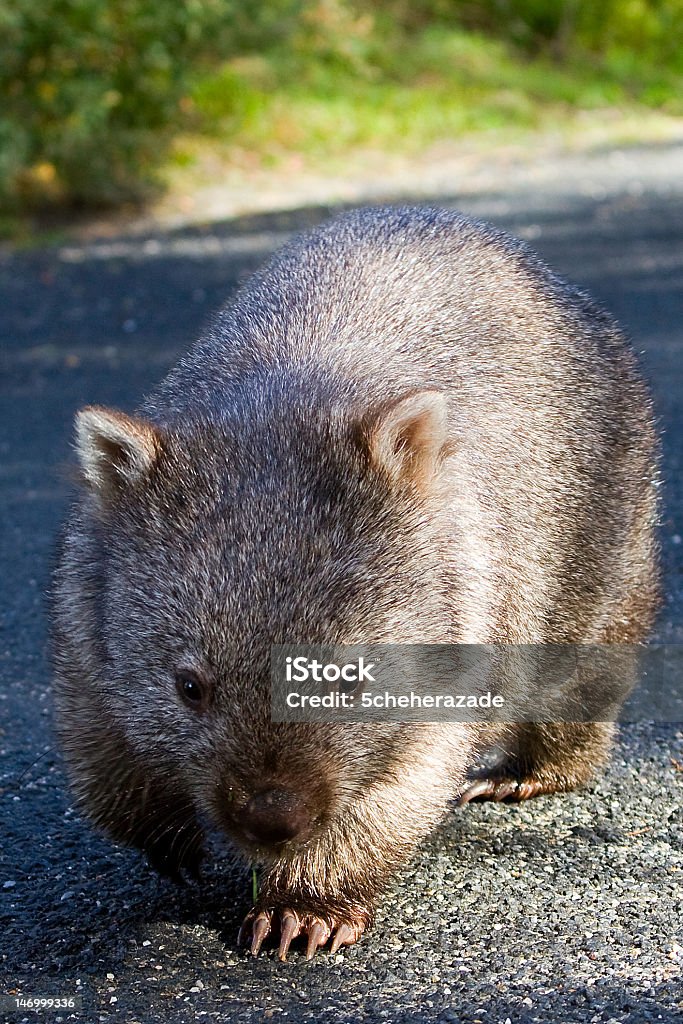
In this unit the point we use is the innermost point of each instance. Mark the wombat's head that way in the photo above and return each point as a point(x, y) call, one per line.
point(282, 521)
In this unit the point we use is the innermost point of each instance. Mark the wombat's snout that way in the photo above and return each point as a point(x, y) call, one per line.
point(274, 816)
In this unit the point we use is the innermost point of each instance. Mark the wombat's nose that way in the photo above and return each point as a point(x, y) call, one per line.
point(273, 816)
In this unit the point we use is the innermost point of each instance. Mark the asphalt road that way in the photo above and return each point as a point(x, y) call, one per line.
point(566, 909)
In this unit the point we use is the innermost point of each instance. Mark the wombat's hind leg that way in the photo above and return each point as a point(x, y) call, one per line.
point(500, 789)
point(258, 925)
point(550, 758)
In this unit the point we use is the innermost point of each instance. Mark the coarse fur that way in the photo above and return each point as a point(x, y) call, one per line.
point(404, 429)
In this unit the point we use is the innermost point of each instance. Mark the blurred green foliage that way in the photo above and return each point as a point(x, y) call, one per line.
point(89, 90)
point(651, 30)
point(403, 74)
point(94, 90)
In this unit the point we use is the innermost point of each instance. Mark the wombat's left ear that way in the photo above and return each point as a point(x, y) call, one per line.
point(407, 436)
point(114, 450)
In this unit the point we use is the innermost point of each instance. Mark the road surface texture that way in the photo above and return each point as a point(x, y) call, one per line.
point(564, 909)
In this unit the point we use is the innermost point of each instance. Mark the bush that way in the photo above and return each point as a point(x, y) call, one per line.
point(92, 90)
point(650, 29)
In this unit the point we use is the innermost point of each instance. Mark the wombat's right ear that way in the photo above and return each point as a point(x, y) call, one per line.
point(407, 437)
point(114, 450)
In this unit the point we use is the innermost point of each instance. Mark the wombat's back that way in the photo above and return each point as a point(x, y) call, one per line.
point(552, 473)
point(389, 298)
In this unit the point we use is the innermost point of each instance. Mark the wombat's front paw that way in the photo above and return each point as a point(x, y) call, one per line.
point(291, 923)
point(173, 855)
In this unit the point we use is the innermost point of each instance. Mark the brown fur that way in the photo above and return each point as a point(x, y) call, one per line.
point(405, 429)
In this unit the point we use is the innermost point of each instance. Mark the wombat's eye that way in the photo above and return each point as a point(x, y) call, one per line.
point(192, 689)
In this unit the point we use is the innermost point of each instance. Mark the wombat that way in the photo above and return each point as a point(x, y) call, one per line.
point(405, 429)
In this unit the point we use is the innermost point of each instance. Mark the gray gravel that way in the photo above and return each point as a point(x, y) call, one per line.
point(566, 909)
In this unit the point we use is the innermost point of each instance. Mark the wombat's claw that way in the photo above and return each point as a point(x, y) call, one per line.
point(256, 925)
point(318, 931)
point(259, 925)
point(318, 934)
point(346, 935)
point(290, 928)
point(502, 789)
